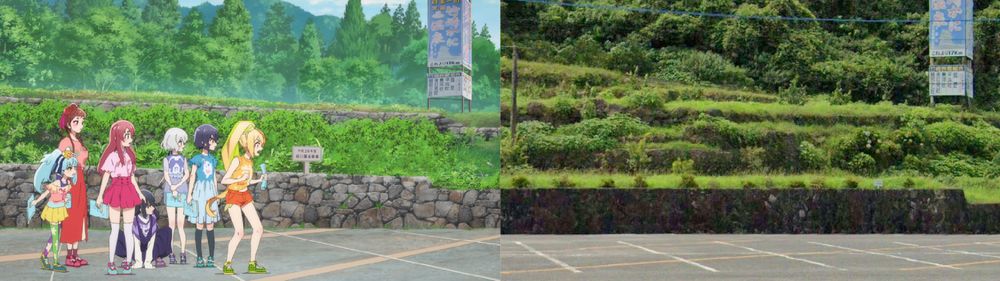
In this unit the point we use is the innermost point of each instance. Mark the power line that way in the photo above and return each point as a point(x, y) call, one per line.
point(734, 16)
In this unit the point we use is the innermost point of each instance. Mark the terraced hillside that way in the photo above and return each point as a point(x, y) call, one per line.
point(592, 127)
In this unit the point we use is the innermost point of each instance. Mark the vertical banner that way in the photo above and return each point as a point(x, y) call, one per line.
point(951, 28)
point(450, 33)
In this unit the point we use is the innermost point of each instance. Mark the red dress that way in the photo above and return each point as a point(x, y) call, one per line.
point(74, 228)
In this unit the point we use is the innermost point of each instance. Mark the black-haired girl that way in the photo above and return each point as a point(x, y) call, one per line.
point(152, 243)
point(203, 186)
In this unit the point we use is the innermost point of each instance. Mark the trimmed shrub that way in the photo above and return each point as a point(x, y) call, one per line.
point(797, 184)
point(639, 182)
point(851, 183)
point(950, 136)
point(563, 181)
point(608, 183)
point(650, 101)
point(687, 181)
point(611, 128)
point(520, 182)
point(680, 166)
point(719, 132)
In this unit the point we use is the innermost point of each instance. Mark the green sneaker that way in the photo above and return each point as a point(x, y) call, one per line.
point(58, 267)
point(199, 263)
point(227, 268)
point(253, 268)
point(210, 262)
point(45, 263)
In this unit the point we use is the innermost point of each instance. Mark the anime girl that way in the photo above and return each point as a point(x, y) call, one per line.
point(56, 176)
point(175, 189)
point(151, 242)
point(239, 201)
point(201, 188)
point(74, 228)
point(118, 167)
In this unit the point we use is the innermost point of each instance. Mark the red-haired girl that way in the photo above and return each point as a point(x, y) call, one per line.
point(118, 166)
point(74, 228)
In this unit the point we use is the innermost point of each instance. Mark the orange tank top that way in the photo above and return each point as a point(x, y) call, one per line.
point(59, 194)
point(245, 167)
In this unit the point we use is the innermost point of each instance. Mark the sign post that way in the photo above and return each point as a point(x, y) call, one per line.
point(951, 26)
point(449, 51)
point(306, 155)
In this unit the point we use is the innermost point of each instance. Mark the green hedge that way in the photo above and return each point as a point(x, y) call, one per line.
point(361, 146)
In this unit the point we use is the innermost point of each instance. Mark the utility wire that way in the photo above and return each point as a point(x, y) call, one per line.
point(734, 16)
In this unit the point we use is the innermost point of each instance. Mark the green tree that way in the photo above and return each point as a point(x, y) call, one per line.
point(163, 13)
point(380, 30)
point(131, 11)
point(276, 53)
point(98, 51)
point(233, 59)
point(319, 79)
point(193, 44)
point(18, 50)
point(309, 43)
point(352, 39)
point(80, 8)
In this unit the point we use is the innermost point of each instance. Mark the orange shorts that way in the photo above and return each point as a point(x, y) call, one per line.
point(239, 198)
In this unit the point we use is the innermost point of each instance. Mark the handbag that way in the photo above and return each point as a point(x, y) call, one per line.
point(189, 209)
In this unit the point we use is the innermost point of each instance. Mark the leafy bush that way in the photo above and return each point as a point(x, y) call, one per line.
point(563, 181)
point(563, 111)
point(812, 158)
point(687, 181)
point(884, 153)
point(639, 182)
point(591, 108)
point(851, 183)
point(794, 94)
point(720, 132)
point(753, 158)
point(797, 184)
point(644, 100)
point(949, 136)
point(749, 184)
point(909, 183)
point(520, 182)
point(681, 166)
point(611, 128)
point(608, 183)
point(705, 67)
point(862, 163)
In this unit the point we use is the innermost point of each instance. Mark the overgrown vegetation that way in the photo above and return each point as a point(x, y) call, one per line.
point(358, 146)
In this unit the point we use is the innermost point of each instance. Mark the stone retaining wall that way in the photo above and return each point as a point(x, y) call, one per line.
point(320, 200)
point(593, 211)
point(332, 116)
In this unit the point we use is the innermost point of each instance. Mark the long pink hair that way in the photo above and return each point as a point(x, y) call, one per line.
point(115, 138)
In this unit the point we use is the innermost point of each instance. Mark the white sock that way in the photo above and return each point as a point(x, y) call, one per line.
point(113, 242)
point(129, 241)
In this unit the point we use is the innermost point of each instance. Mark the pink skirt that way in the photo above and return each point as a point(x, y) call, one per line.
point(121, 194)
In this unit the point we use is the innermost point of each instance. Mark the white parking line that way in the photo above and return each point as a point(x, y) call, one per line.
point(950, 251)
point(885, 255)
point(553, 260)
point(669, 255)
point(446, 238)
point(782, 255)
point(385, 256)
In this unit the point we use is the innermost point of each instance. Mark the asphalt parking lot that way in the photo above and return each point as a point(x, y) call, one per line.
point(750, 257)
point(295, 253)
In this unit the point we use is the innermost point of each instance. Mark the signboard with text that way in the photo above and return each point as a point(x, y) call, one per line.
point(449, 33)
point(951, 27)
point(453, 84)
point(950, 80)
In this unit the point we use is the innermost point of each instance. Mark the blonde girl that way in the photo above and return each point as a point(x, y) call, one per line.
point(239, 202)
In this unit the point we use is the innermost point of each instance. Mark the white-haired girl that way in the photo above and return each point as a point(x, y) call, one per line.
point(175, 188)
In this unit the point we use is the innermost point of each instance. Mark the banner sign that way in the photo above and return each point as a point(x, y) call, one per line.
point(951, 80)
point(453, 84)
point(951, 28)
point(449, 33)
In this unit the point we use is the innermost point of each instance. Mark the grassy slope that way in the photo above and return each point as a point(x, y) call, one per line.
point(542, 85)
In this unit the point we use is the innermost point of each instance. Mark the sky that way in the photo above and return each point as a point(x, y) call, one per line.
point(483, 11)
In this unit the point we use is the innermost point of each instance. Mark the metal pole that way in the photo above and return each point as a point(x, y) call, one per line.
point(306, 164)
point(513, 96)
